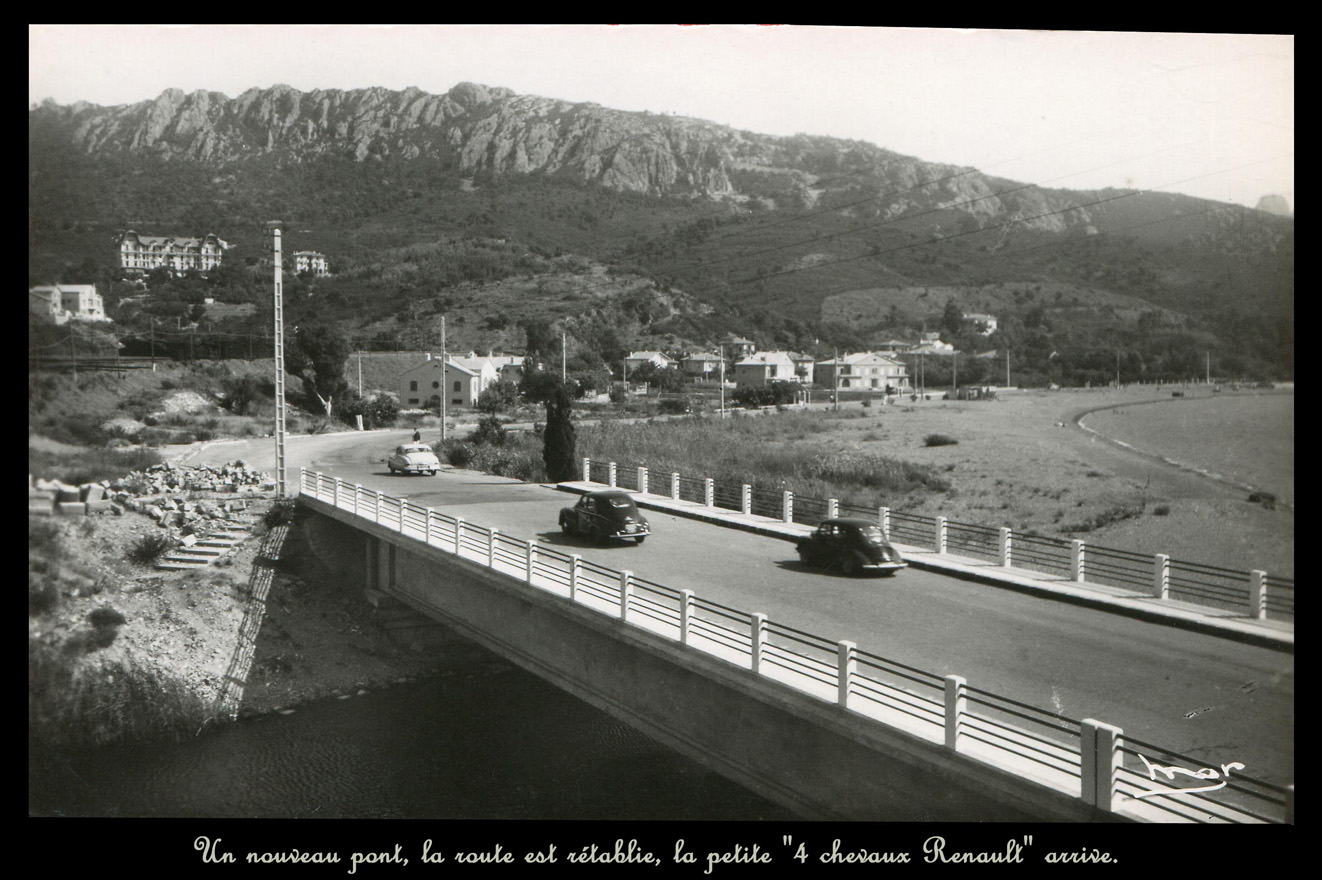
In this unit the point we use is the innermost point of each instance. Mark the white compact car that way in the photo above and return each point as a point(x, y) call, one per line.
point(413, 458)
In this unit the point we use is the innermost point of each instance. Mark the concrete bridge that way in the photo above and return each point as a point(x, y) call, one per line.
point(821, 727)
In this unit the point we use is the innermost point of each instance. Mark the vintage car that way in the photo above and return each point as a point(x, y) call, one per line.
point(605, 515)
point(413, 458)
point(852, 545)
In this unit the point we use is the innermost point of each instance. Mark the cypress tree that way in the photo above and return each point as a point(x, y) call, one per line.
point(558, 445)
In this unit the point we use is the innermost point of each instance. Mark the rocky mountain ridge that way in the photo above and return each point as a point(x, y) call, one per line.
point(478, 130)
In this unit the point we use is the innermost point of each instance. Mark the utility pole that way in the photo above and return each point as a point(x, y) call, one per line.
point(835, 382)
point(1209, 368)
point(1117, 369)
point(954, 362)
point(360, 372)
point(153, 345)
point(564, 358)
point(278, 280)
point(1007, 366)
point(445, 380)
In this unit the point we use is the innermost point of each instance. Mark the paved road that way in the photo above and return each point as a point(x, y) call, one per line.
point(1207, 697)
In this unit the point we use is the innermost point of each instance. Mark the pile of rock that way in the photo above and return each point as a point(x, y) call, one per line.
point(169, 493)
point(53, 498)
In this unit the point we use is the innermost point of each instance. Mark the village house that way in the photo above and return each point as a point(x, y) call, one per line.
point(766, 367)
point(986, 324)
point(637, 359)
point(701, 365)
point(462, 381)
point(139, 254)
point(61, 303)
point(311, 261)
point(869, 371)
point(737, 348)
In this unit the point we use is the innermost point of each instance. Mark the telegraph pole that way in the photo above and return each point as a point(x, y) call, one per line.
point(564, 358)
point(445, 389)
point(274, 226)
point(1007, 366)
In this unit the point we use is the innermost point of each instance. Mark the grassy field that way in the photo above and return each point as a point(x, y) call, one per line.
point(1017, 461)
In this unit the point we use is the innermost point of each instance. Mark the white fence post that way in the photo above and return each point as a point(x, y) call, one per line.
point(426, 529)
point(846, 667)
point(1161, 576)
point(1258, 594)
point(357, 491)
point(529, 559)
point(587, 470)
point(642, 479)
point(746, 499)
point(458, 533)
point(956, 702)
point(611, 475)
point(757, 641)
point(685, 615)
point(1078, 561)
point(491, 547)
point(940, 534)
point(1099, 759)
point(1005, 547)
point(573, 575)
point(376, 506)
point(832, 508)
point(884, 519)
point(626, 590)
point(335, 497)
point(787, 506)
point(709, 491)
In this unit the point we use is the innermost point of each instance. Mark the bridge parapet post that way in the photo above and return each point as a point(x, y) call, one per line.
point(832, 508)
point(1258, 594)
point(956, 705)
point(610, 470)
point(757, 641)
point(1099, 761)
point(787, 506)
point(940, 534)
point(642, 480)
point(1161, 576)
point(746, 499)
point(491, 547)
point(574, 560)
point(1078, 561)
point(884, 520)
point(587, 470)
point(529, 559)
point(376, 506)
point(426, 526)
point(709, 491)
point(846, 668)
point(335, 497)
point(626, 590)
point(1005, 548)
point(685, 615)
point(458, 533)
point(357, 493)
point(674, 487)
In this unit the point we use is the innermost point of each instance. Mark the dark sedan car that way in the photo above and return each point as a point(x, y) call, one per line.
point(854, 545)
point(605, 515)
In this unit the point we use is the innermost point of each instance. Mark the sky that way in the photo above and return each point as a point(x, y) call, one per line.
point(1208, 115)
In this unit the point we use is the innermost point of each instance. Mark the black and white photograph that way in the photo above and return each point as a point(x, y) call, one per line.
point(714, 448)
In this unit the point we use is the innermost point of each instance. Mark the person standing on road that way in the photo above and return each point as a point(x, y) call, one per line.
point(417, 435)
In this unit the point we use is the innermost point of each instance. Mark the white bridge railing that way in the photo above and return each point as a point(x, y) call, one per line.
point(1254, 594)
point(1083, 758)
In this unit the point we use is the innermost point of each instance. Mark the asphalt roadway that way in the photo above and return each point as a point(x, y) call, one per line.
point(1201, 695)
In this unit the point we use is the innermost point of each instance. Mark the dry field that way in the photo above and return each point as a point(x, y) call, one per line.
point(1021, 461)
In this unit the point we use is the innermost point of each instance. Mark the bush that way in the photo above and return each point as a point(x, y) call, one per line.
point(1161, 510)
point(461, 454)
point(490, 432)
point(939, 440)
point(149, 548)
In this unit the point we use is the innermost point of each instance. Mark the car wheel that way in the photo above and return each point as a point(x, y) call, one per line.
point(849, 565)
point(564, 526)
point(640, 539)
point(805, 557)
point(392, 469)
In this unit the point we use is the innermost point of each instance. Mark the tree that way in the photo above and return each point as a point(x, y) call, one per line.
point(558, 449)
point(318, 356)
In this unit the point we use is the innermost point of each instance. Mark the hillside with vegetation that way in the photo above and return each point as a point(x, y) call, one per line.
point(626, 231)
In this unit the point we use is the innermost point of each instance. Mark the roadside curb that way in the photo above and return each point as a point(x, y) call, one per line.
point(1196, 620)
